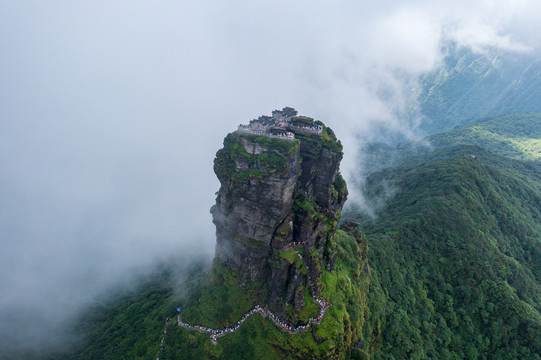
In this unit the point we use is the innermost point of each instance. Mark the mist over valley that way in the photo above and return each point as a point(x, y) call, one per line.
point(112, 115)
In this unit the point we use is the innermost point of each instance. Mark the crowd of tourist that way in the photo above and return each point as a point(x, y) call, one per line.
point(282, 135)
point(312, 128)
point(286, 136)
point(162, 342)
point(297, 243)
point(215, 334)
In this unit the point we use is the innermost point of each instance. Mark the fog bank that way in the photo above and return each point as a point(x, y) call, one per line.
point(111, 113)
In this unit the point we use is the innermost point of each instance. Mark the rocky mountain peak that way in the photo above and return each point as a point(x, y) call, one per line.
point(278, 205)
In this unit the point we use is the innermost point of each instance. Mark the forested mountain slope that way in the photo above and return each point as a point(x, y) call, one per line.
point(456, 242)
point(457, 256)
point(516, 136)
point(449, 268)
point(473, 85)
point(133, 326)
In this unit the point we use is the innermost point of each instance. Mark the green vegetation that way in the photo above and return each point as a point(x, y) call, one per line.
point(330, 141)
point(310, 145)
point(449, 268)
point(290, 256)
point(473, 85)
point(272, 162)
point(115, 335)
point(310, 309)
point(304, 206)
point(302, 120)
point(131, 325)
point(455, 252)
point(245, 176)
point(456, 261)
point(255, 166)
point(253, 243)
point(515, 136)
point(282, 231)
point(219, 301)
point(339, 188)
point(284, 147)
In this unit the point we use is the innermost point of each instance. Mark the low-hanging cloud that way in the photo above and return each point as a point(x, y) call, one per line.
point(111, 113)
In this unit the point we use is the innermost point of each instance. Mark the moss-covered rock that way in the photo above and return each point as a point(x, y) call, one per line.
point(274, 193)
point(223, 301)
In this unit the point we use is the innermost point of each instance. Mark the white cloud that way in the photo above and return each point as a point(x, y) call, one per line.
point(111, 112)
point(482, 37)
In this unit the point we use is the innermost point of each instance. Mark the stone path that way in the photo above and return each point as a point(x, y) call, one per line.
point(216, 333)
point(264, 312)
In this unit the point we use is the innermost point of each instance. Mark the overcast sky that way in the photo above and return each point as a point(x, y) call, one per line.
point(111, 113)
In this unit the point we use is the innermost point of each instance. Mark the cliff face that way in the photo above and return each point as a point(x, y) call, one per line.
point(277, 209)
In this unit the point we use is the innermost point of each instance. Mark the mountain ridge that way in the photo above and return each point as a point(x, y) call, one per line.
point(497, 134)
point(471, 85)
point(472, 233)
point(449, 268)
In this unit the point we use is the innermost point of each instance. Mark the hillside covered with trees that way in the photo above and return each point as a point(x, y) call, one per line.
point(476, 84)
point(449, 268)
